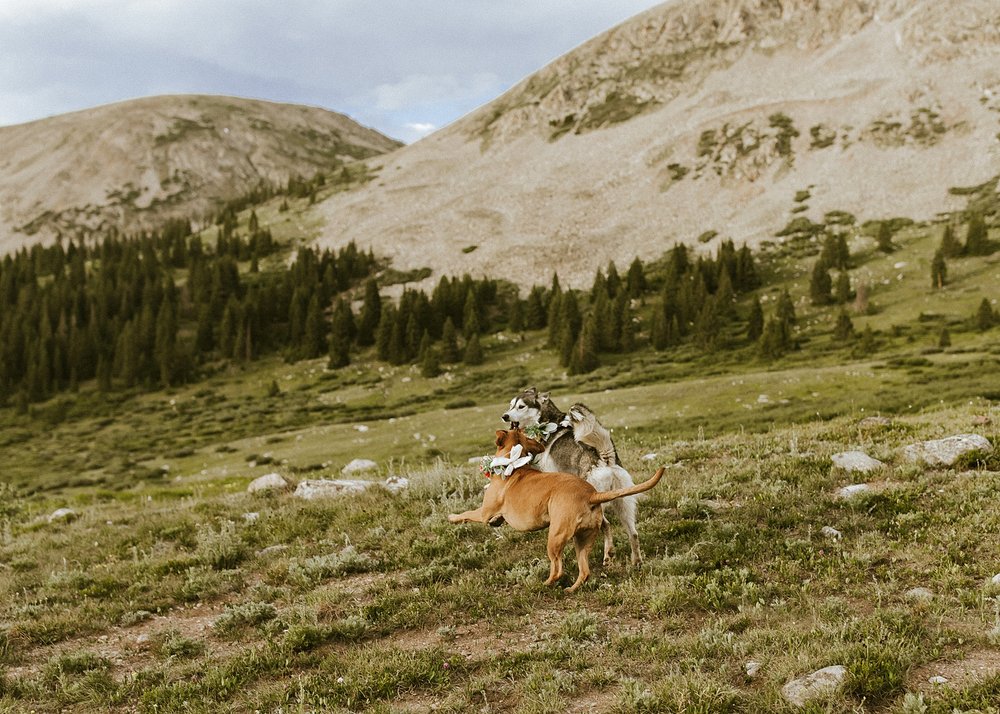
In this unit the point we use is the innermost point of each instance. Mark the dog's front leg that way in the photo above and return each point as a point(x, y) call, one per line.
point(476, 516)
point(492, 505)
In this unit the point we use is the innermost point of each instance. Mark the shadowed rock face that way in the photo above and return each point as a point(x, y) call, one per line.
point(697, 116)
point(135, 163)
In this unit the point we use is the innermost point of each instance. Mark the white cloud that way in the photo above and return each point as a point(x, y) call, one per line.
point(422, 89)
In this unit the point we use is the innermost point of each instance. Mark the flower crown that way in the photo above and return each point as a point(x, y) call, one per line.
point(504, 466)
point(542, 431)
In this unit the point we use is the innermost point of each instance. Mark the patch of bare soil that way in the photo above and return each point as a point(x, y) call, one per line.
point(973, 667)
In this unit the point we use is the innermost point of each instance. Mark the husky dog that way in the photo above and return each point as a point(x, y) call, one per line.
point(592, 457)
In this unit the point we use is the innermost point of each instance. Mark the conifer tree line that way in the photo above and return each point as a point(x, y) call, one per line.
point(147, 310)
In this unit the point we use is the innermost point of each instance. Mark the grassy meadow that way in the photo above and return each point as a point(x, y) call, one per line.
point(173, 590)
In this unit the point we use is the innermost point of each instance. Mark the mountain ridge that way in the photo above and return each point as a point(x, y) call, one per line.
point(135, 163)
point(877, 111)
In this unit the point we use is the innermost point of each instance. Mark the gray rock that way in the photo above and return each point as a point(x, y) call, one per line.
point(831, 532)
point(752, 668)
point(311, 489)
point(820, 683)
point(853, 490)
point(358, 465)
point(937, 679)
point(395, 484)
point(267, 482)
point(649, 457)
point(995, 580)
point(142, 639)
point(62, 514)
point(945, 452)
point(855, 462)
point(272, 550)
point(251, 517)
point(919, 595)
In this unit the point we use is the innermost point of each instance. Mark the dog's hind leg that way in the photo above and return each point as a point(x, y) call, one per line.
point(627, 511)
point(609, 543)
point(584, 541)
point(558, 538)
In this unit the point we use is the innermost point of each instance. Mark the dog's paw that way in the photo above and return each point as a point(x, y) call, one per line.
point(496, 521)
point(454, 518)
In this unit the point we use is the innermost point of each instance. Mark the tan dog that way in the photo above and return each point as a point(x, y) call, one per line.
point(530, 500)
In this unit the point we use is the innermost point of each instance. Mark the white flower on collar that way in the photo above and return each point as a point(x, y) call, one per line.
point(541, 431)
point(506, 465)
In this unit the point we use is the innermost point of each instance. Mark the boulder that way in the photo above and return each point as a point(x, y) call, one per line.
point(945, 452)
point(395, 484)
point(853, 490)
point(311, 489)
point(358, 465)
point(919, 595)
point(62, 514)
point(855, 462)
point(831, 533)
point(267, 482)
point(820, 683)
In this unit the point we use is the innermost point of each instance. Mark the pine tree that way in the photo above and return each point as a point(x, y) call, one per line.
point(449, 342)
point(166, 342)
point(473, 351)
point(340, 335)
point(313, 344)
point(939, 270)
point(950, 246)
point(843, 290)
point(985, 317)
point(583, 358)
point(516, 318)
point(976, 240)
point(786, 309)
point(430, 365)
point(844, 329)
point(371, 311)
point(755, 322)
point(707, 327)
point(627, 339)
point(725, 296)
point(554, 321)
point(867, 344)
point(774, 340)
point(820, 285)
point(613, 282)
point(385, 330)
point(659, 334)
point(470, 315)
point(636, 279)
point(883, 239)
point(534, 312)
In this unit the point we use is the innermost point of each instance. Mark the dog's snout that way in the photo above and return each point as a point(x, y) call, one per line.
point(505, 417)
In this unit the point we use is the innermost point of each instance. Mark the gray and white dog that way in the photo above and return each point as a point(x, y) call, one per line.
point(591, 455)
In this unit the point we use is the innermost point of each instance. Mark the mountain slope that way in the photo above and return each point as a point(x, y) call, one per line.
point(137, 162)
point(698, 116)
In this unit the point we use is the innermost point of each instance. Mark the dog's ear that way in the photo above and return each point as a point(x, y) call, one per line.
point(501, 436)
point(531, 391)
point(543, 397)
point(574, 414)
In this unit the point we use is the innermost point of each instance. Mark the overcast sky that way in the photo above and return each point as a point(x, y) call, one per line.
point(404, 67)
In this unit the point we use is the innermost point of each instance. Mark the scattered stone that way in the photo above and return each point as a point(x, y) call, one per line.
point(359, 465)
point(820, 683)
point(395, 484)
point(945, 452)
point(62, 514)
point(267, 482)
point(937, 679)
point(311, 489)
point(831, 532)
point(853, 490)
point(752, 668)
point(361, 427)
point(873, 421)
point(763, 399)
point(272, 550)
point(251, 517)
point(142, 638)
point(855, 462)
point(995, 580)
point(919, 595)
point(649, 457)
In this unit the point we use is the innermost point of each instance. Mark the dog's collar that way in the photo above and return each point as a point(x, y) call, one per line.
point(543, 431)
point(504, 466)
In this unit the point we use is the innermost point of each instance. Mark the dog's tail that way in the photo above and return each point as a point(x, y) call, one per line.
point(605, 496)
